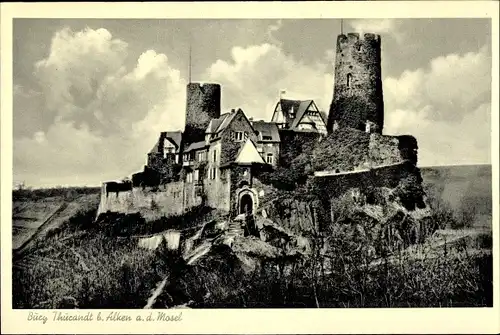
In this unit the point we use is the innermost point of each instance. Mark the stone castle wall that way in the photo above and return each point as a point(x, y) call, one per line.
point(357, 96)
point(218, 190)
point(168, 199)
point(152, 204)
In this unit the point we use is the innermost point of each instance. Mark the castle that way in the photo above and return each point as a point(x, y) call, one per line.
point(213, 161)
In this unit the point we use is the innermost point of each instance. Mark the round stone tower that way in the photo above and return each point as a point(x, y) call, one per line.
point(202, 105)
point(357, 97)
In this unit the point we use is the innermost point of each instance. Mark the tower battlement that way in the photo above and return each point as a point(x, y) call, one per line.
point(355, 37)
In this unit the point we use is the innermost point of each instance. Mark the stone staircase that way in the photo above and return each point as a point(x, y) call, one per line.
point(235, 228)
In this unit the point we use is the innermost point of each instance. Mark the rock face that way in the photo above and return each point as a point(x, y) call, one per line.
point(379, 220)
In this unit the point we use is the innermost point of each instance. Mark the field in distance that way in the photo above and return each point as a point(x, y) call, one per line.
point(34, 212)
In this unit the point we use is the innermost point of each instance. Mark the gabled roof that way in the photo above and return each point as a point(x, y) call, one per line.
point(218, 125)
point(248, 154)
point(304, 105)
point(175, 137)
point(266, 129)
point(286, 105)
point(215, 123)
point(324, 116)
point(227, 120)
point(299, 108)
point(156, 147)
point(195, 146)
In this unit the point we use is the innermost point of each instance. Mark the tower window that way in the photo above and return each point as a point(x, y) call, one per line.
point(269, 158)
point(349, 80)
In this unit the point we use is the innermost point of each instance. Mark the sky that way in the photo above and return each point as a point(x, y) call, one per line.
point(92, 96)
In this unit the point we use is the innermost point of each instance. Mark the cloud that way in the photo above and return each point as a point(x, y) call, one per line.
point(253, 77)
point(388, 27)
point(101, 118)
point(447, 106)
point(272, 29)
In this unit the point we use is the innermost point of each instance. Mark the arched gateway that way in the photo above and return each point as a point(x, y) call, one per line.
point(248, 201)
point(246, 204)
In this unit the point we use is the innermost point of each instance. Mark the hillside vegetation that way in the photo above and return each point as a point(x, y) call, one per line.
point(86, 264)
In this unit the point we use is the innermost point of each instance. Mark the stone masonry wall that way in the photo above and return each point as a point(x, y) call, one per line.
point(218, 190)
point(166, 200)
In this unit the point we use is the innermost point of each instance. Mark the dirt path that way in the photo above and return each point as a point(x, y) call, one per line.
point(156, 293)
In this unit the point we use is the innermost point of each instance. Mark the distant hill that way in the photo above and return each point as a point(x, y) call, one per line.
point(463, 187)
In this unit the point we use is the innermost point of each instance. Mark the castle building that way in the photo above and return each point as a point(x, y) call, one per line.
point(357, 98)
point(212, 162)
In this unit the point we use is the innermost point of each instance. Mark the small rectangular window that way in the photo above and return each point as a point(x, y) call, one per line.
point(196, 175)
point(213, 173)
point(201, 156)
point(269, 158)
point(215, 155)
point(239, 136)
